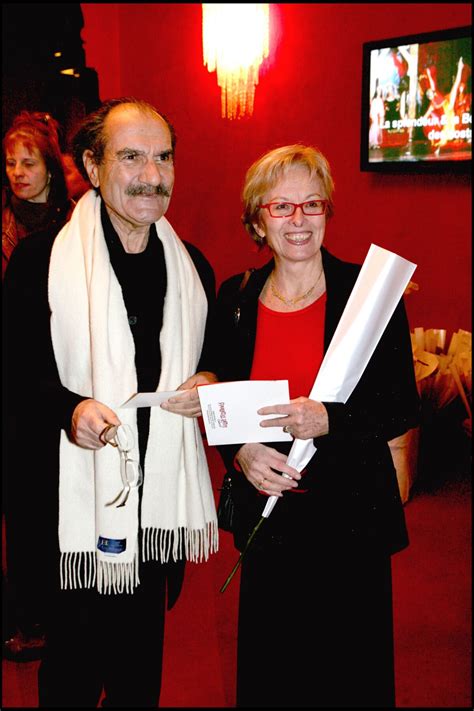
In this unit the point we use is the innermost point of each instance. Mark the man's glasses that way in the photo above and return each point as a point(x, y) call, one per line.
point(287, 209)
point(121, 436)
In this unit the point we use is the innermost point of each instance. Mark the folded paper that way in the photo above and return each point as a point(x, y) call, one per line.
point(150, 399)
point(229, 410)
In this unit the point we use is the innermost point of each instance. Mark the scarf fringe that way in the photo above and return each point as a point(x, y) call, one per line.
point(81, 569)
point(77, 570)
point(195, 545)
point(117, 577)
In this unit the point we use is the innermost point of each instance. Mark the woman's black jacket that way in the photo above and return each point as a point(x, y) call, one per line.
point(351, 480)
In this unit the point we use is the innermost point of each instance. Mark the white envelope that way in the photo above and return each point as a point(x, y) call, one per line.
point(229, 410)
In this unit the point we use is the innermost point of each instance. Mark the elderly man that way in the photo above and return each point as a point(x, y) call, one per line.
point(115, 304)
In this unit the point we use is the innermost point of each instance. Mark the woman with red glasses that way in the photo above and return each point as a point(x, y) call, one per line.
point(315, 609)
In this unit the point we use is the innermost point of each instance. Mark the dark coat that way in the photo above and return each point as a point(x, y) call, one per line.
point(353, 496)
point(53, 217)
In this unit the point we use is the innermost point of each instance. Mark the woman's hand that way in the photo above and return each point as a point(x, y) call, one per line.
point(89, 420)
point(258, 461)
point(188, 404)
point(303, 418)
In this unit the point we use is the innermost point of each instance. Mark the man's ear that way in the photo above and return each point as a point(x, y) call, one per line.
point(91, 167)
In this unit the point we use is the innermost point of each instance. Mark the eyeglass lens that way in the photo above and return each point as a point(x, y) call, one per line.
point(133, 472)
point(120, 436)
point(286, 209)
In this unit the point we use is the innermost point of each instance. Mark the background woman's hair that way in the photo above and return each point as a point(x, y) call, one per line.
point(273, 165)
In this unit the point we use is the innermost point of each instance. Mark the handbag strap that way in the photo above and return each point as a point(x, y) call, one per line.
point(242, 286)
point(245, 278)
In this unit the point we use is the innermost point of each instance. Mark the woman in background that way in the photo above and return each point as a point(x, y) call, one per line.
point(315, 611)
point(36, 196)
point(34, 199)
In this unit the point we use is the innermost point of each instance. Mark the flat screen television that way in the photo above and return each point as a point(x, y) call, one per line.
point(416, 103)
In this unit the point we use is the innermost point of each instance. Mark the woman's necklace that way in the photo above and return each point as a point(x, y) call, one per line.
point(297, 299)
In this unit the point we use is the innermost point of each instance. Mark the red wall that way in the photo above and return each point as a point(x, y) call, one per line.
point(309, 91)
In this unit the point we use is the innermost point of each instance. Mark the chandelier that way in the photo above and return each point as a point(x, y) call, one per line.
point(235, 40)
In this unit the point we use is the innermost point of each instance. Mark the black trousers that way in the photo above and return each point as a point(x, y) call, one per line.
point(315, 628)
point(111, 642)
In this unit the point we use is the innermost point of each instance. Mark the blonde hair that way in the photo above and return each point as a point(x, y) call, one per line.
point(267, 171)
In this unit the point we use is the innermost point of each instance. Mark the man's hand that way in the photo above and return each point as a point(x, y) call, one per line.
point(188, 403)
point(89, 419)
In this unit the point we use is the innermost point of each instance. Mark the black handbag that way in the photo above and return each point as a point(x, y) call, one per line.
point(225, 507)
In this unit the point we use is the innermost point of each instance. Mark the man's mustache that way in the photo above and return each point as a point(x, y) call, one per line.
point(147, 190)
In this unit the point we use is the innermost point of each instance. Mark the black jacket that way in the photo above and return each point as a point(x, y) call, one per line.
point(353, 495)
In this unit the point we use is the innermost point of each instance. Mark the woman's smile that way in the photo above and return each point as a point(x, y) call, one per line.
point(298, 238)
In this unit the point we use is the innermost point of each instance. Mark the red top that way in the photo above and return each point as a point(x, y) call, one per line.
point(289, 346)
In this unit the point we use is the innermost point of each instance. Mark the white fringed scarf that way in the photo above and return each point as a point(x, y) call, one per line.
point(95, 355)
